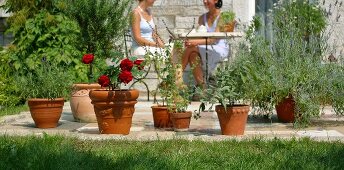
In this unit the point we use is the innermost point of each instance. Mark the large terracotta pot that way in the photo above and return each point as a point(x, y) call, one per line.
point(114, 110)
point(233, 121)
point(80, 102)
point(161, 117)
point(285, 110)
point(46, 112)
point(181, 120)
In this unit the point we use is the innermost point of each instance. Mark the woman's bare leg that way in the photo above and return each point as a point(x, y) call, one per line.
point(191, 56)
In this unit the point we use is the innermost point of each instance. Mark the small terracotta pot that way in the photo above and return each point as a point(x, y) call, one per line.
point(46, 112)
point(114, 110)
point(161, 117)
point(286, 110)
point(228, 27)
point(181, 120)
point(232, 122)
point(80, 102)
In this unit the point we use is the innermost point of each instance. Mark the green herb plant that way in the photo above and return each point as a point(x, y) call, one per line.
point(47, 81)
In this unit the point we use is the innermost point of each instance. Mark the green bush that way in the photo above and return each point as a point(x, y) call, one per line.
point(102, 23)
point(290, 65)
point(47, 81)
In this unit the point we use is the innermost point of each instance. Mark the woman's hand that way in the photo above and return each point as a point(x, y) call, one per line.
point(191, 43)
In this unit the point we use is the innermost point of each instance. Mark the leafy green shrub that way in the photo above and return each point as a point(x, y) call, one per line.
point(290, 65)
point(227, 17)
point(47, 81)
point(51, 36)
point(102, 23)
point(9, 95)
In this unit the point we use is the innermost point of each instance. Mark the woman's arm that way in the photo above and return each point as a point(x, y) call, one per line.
point(135, 24)
point(158, 39)
point(196, 42)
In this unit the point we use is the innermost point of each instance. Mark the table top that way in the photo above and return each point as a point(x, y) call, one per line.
point(222, 35)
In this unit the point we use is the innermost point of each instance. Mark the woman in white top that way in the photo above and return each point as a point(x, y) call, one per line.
point(143, 30)
point(195, 51)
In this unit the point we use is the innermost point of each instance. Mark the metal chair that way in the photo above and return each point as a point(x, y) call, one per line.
point(128, 39)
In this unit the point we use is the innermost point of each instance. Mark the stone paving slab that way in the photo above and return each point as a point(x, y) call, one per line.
point(328, 127)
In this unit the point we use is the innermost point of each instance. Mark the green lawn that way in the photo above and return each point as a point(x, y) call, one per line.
point(13, 110)
point(56, 152)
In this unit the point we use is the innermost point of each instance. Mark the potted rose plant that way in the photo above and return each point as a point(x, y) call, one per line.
point(45, 89)
point(113, 106)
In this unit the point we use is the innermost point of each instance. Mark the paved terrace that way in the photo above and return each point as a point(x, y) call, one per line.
point(328, 128)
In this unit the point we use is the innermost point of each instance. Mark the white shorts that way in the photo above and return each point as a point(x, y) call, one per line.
point(143, 50)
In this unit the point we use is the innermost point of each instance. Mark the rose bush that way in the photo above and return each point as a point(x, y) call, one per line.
point(88, 59)
point(121, 71)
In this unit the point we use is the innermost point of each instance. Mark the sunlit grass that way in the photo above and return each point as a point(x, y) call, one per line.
point(13, 110)
point(56, 152)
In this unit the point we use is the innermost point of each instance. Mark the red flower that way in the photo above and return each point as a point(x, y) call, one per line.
point(138, 63)
point(87, 58)
point(104, 80)
point(126, 65)
point(125, 76)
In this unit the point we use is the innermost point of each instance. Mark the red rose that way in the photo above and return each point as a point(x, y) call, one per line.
point(138, 63)
point(104, 80)
point(125, 76)
point(126, 65)
point(87, 58)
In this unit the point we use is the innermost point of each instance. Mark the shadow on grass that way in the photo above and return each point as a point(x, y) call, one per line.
point(62, 153)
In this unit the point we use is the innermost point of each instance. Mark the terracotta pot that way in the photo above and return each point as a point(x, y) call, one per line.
point(114, 110)
point(80, 102)
point(233, 121)
point(46, 112)
point(161, 117)
point(229, 27)
point(181, 120)
point(286, 110)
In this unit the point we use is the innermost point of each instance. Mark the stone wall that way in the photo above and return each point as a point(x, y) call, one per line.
point(335, 31)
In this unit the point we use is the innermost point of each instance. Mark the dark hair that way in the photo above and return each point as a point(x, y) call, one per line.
point(218, 5)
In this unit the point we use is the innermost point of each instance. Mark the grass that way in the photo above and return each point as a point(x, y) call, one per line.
point(56, 152)
point(13, 110)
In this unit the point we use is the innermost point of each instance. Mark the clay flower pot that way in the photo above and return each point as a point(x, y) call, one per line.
point(80, 102)
point(181, 120)
point(229, 27)
point(114, 110)
point(233, 121)
point(46, 112)
point(286, 110)
point(161, 117)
